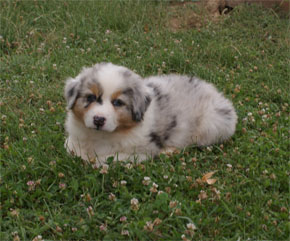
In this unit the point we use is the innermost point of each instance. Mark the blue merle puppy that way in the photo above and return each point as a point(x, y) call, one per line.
point(112, 111)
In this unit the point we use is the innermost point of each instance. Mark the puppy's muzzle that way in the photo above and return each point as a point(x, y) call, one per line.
point(99, 121)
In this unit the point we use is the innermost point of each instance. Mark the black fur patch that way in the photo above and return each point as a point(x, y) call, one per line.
point(225, 112)
point(159, 139)
point(156, 91)
point(171, 125)
point(136, 116)
point(137, 112)
point(71, 92)
point(72, 96)
point(161, 98)
point(151, 85)
point(99, 100)
point(156, 139)
point(147, 101)
point(128, 92)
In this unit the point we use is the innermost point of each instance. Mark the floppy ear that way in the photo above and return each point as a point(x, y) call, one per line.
point(140, 108)
point(71, 91)
point(138, 94)
point(140, 100)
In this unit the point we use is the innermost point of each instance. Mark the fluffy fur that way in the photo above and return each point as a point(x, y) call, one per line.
point(114, 112)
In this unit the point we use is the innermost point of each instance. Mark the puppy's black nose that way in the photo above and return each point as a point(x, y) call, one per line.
point(99, 121)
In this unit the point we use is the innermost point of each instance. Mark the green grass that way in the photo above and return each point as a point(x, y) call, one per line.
point(245, 54)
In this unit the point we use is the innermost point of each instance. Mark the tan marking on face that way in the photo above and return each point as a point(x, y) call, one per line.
point(79, 110)
point(116, 95)
point(125, 121)
point(95, 89)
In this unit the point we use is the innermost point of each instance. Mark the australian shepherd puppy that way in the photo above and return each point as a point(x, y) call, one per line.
point(112, 111)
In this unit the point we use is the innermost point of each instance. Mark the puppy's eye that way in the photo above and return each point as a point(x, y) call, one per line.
point(91, 98)
point(117, 103)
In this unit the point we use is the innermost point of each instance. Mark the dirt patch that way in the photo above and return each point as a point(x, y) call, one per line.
point(280, 6)
point(187, 15)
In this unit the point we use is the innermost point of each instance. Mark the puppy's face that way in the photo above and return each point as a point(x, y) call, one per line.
point(107, 97)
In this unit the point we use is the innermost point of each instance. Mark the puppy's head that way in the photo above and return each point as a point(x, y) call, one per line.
point(107, 97)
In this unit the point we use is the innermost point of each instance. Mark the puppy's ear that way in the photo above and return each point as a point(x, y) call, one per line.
point(71, 91)
point(140, 100)
point(138, 94)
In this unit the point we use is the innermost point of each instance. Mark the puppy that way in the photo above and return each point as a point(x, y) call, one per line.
point(114, 112)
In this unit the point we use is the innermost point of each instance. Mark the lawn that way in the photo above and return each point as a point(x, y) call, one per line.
point(238, 190)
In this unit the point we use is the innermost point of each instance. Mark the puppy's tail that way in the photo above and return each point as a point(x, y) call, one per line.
point(218, 123)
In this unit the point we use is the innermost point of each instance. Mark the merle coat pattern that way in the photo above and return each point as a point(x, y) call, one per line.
point(141, 117)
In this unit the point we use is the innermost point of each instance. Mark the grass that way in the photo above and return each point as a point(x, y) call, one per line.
point(46, 192)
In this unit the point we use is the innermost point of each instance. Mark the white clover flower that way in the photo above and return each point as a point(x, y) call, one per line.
point(103, 227)
point(229, 165)
point(90, 211)
point(191, 226)
point(154, 187)
point(38, 238)
point(104, 169)
point(125, 232)
point(62, 186)
point(146, 181)
point(112, 197)
point(183, 237)
point(209, 148)
point(173, 204)
point(160, 192)
point(134, 201)
point(123, 183)
point(31, 185)
point(123, 219)
point(129, 166)
point(134, 204)
point(149, 226)
point(265, 172)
